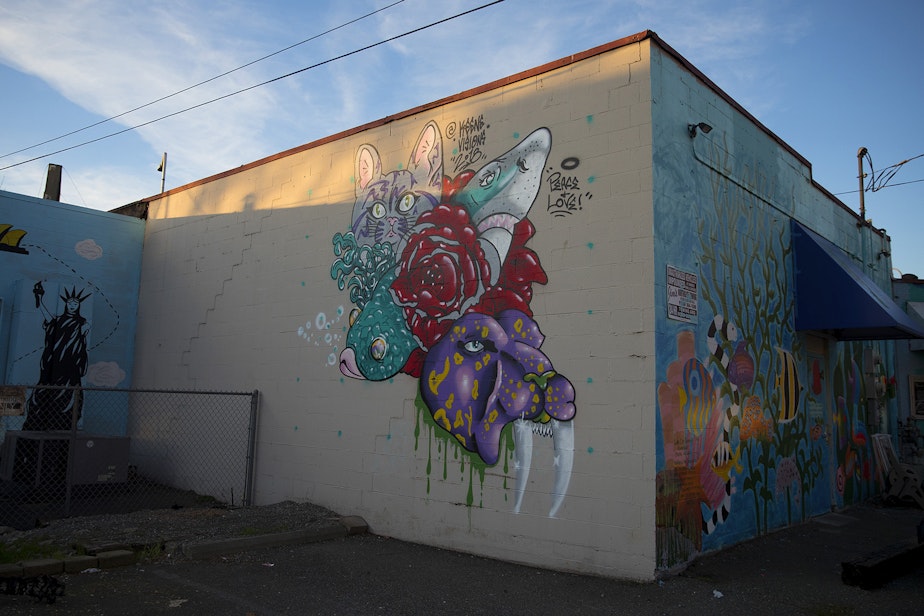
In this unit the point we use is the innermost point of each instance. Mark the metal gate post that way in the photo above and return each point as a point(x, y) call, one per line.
point(251, 448)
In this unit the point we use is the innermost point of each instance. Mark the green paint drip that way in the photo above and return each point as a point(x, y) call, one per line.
point(447, 444)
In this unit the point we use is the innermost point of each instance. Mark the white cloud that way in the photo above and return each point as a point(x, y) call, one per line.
point(109, 57)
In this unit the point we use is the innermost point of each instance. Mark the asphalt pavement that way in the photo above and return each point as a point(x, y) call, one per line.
point(798, 570)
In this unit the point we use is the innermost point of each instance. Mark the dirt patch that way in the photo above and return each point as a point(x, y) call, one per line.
point(163, 530)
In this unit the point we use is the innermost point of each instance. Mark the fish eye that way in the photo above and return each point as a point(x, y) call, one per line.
point(378, 349)
point(474, 346)
point(354, 315)
point(407, 201)
point(487, 178)
point(378, 210)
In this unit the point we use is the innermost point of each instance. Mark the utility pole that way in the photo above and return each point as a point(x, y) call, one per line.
point(860, 154)
point(163, 171)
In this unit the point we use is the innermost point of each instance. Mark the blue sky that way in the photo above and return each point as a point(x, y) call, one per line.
point(827, 77)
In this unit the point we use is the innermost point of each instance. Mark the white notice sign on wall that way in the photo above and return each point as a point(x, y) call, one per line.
point(682, 295)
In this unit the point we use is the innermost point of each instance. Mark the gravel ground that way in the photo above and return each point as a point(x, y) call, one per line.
point(171, 528)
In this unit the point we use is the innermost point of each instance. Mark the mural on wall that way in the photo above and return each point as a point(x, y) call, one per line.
point(740, 453)
point(10, 239)
point(63, 364)
point(854, 479)
point(441, 277)
point(50, 341)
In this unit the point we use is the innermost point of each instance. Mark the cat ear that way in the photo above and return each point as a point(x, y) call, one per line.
point(426, 161)
point(368, 166)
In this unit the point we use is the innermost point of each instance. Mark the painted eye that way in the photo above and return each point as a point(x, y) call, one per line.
point(486, 179)
point(354, 315)
point(378, 210)
point(378, 349)
point(407, 202)
point(474, 346)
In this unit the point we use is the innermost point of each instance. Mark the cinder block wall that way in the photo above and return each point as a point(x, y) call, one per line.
point(237, 292)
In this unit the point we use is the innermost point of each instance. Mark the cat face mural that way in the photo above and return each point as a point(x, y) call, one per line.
point(444, 294)
point(387, 205)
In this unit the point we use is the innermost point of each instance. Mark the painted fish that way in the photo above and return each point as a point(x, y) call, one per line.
point(817, 432)
point(741, 367)
point(379, 342)
point(787, 383)
point(697, 396)
point(817, 376)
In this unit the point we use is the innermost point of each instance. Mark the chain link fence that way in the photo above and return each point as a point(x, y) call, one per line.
point(71, 451)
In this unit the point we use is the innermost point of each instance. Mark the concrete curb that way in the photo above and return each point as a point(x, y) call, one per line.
point(348, 525)
point(112, 555)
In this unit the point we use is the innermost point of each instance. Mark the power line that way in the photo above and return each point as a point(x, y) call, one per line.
point(878, 181)
point(187, 89)
point(247, 89)
point(850, 192)
point(882, 178)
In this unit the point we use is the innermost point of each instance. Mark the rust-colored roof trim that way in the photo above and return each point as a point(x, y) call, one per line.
point(533, 72)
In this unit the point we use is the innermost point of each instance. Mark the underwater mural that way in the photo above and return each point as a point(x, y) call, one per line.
point(441, 279)
point(738, 453)
point(854, 479)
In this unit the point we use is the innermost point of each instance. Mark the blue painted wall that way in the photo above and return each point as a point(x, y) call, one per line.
point(758, 426)
point(68, 250)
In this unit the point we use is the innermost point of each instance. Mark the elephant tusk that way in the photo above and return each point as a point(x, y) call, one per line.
point(563, 445)
point(522, 458)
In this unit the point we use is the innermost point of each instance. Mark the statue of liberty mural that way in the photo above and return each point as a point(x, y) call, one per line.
point(64, 362)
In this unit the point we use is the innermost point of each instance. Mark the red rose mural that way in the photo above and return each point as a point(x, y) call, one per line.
point(441, 272)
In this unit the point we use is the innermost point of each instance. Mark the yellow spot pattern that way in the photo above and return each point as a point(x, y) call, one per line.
point(440, 417)
point(435, 380)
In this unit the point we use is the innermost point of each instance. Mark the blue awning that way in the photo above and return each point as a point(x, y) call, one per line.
point(834, 296)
